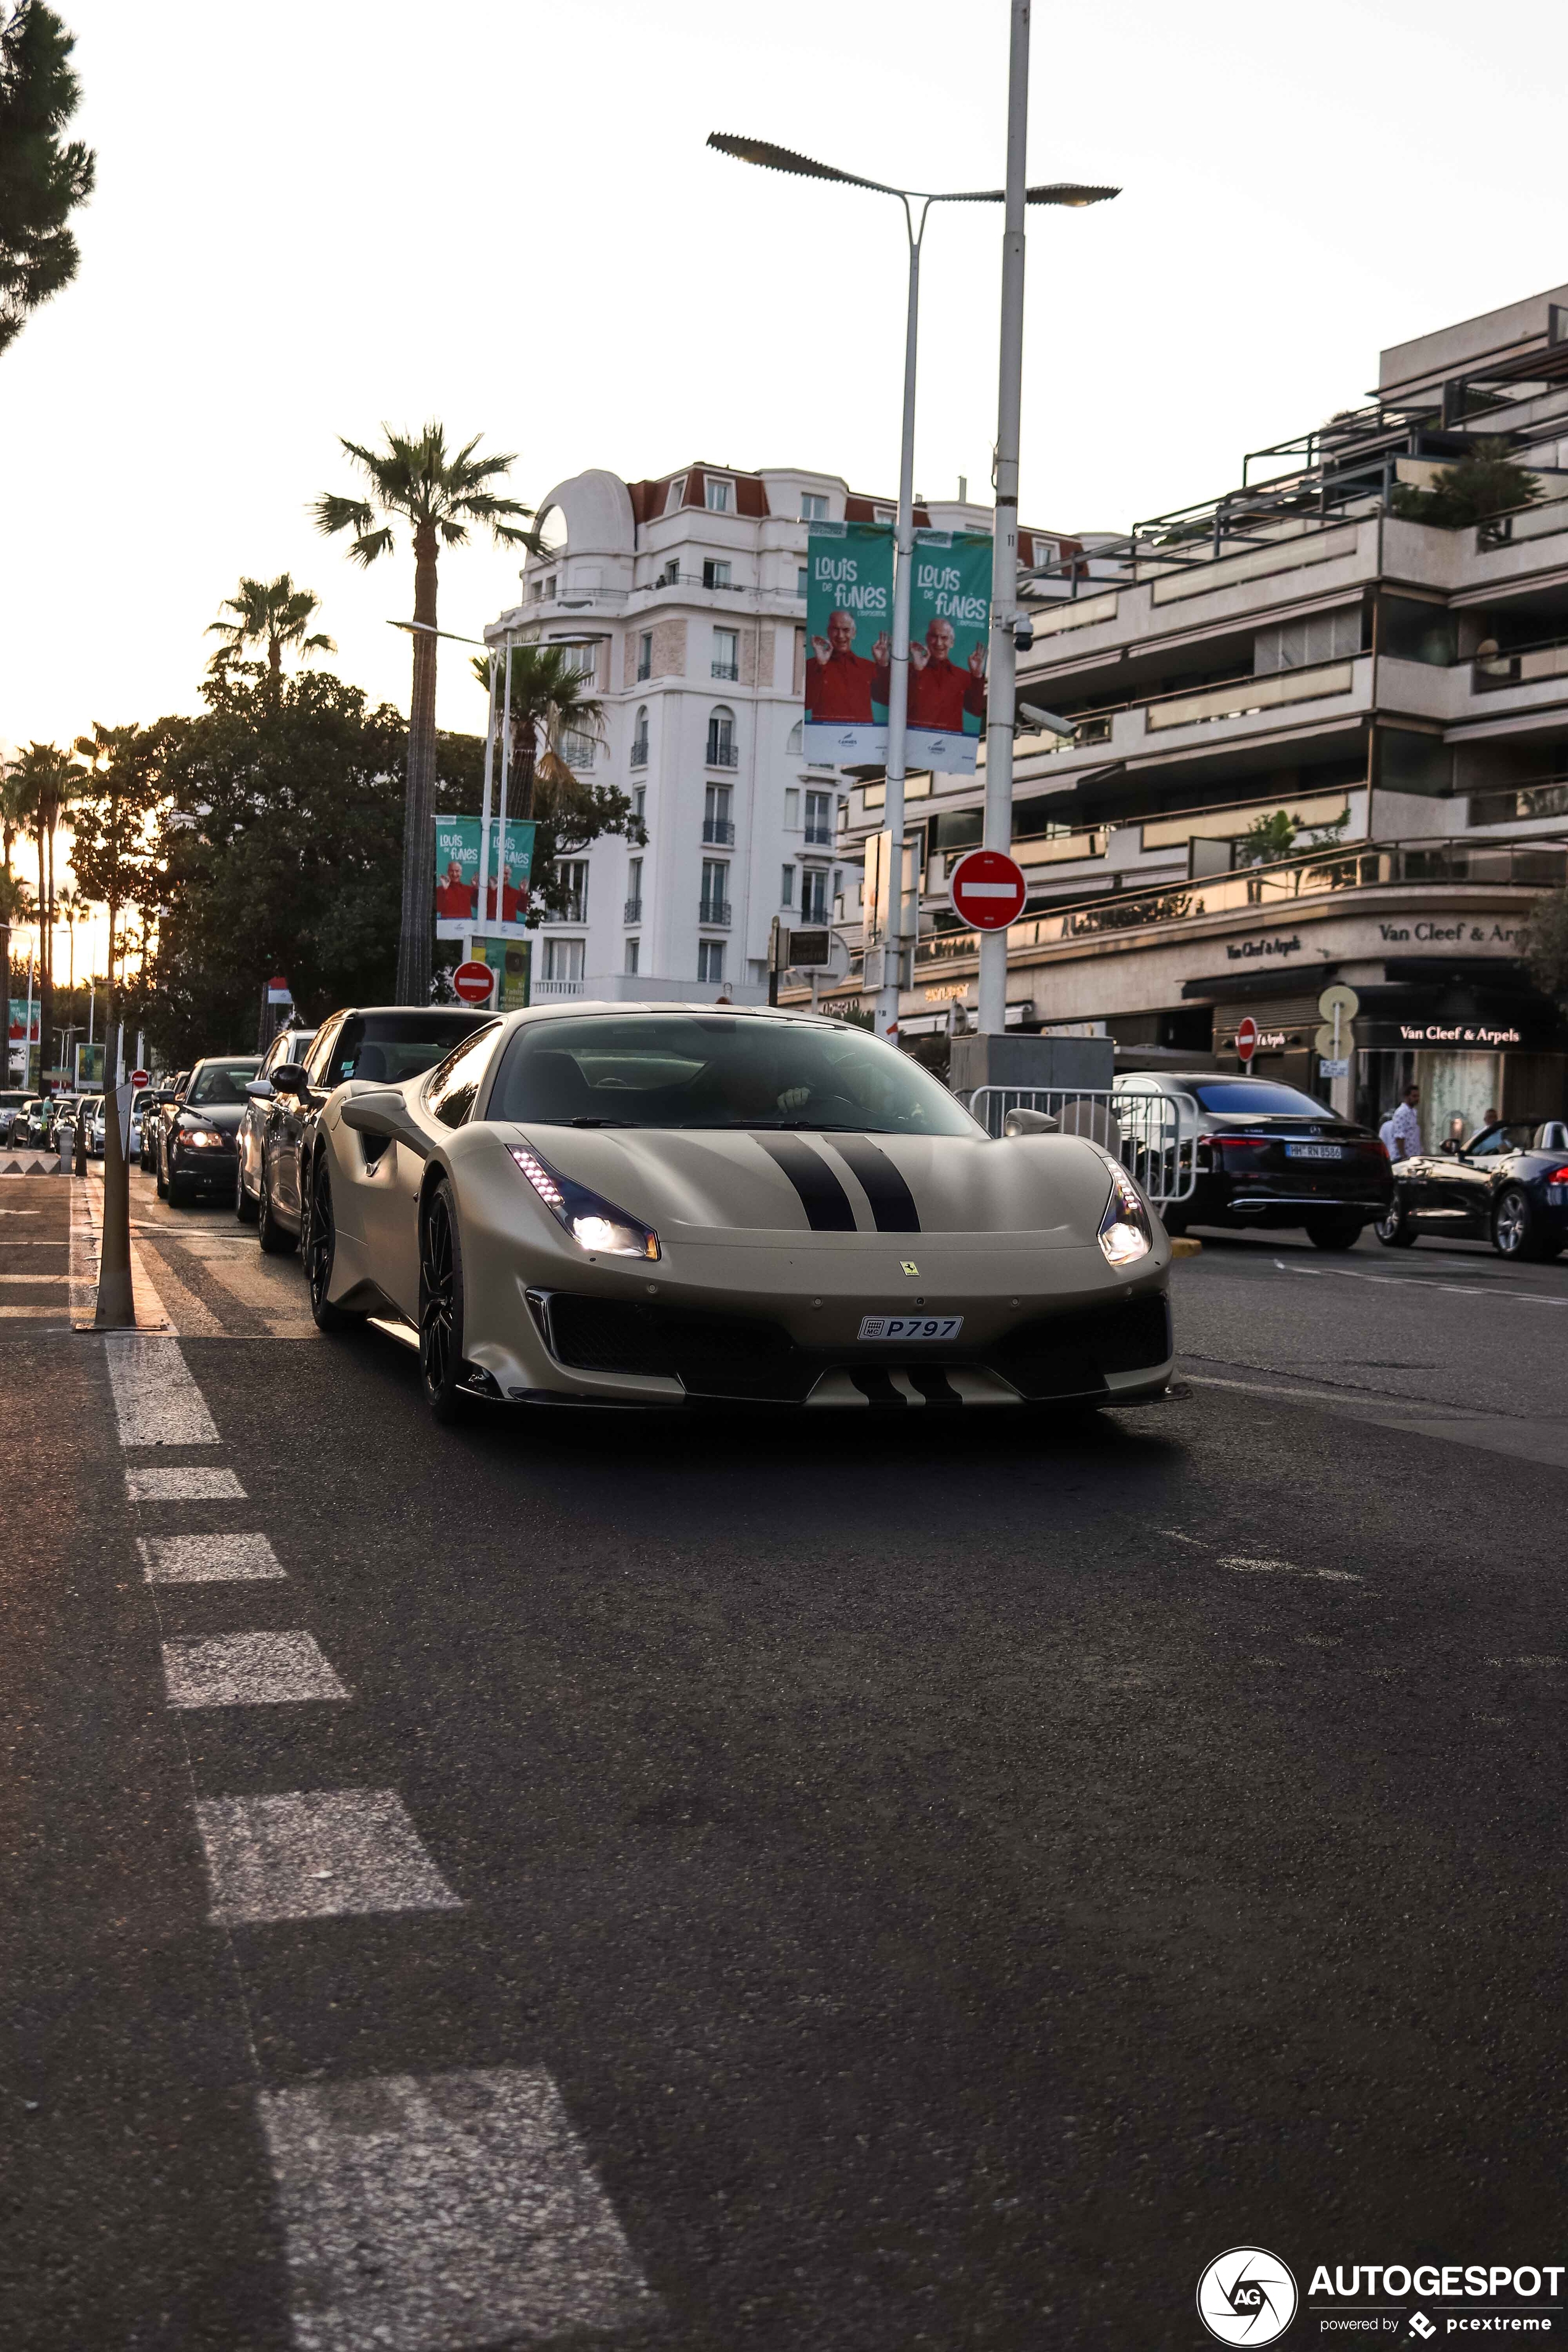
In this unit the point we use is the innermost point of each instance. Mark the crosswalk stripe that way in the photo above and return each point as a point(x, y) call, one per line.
point(247, 1670)
point(156, 1401)
point(208, 1559)
point(316, 1854)
point(182, 1485)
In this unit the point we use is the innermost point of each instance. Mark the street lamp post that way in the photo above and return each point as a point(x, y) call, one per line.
point(763, 153)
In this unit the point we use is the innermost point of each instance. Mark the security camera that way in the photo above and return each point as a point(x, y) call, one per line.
point(1036, 717)
point(1023, 633)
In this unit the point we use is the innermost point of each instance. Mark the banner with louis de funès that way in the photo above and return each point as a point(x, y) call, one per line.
point(848, 627)
point(950, 629)
point(510, 872)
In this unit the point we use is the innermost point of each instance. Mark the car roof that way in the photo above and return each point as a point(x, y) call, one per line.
point(578, 1005)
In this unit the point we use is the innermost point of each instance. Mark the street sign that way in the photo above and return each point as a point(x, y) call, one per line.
point(473, 982)
point(278, 990)
point(987, 889)
point(1246, 1038)
point(139, 1077)
point(1345, 999)
point(808, 950)
point(1332, 1070)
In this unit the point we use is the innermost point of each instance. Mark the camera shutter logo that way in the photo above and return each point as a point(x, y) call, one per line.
point(1246, 2296)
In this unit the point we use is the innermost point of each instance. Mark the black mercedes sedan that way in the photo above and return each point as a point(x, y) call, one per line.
point(195, 1140)
point(1264, 1154)
point(1507, 1185)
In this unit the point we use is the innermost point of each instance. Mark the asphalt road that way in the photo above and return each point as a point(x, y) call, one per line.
point(749, 1886)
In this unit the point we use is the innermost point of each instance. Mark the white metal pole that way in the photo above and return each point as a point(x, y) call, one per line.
point(484, 815)
point(898, 683)
point(27, 1037)
point(1001, 702)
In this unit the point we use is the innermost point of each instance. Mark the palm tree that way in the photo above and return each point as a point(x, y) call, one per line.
point(272, 612)
point(549, 702)
point(72, 909)
point(48, 782)
point(414, 482)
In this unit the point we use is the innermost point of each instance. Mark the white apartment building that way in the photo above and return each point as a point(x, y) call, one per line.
point(686, 597)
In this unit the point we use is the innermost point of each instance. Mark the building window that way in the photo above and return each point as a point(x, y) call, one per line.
point(574, 874)
point(720, 495)
point(721, 737)
point(670, 576)
point(709, 959)
point(819, 820)
point(577, 748)
point(645, 655)
point(796, 743)
point(714, 574)
point(632, 947)
point(545, 588)
point(787, 885)
point(715, 903)
point(1301, 644)
point(634, 895)
point(884, 514)
point(727, 654)
point(676, 492)
point(791, 811)
point(813, 507)
point(563, 962)
point(640, 736)
point(813, 894)
point(639, 804)
point(717, 826)
point(800, 580)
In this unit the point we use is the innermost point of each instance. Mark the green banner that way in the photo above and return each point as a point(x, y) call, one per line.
point(512, 959)
point(950, 629)
point(848, 628)
point(510, 872)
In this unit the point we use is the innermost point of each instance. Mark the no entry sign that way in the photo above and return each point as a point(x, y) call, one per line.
point(138, 1077)
point(987, 889)
point(473, 982)
point(1246, 1038)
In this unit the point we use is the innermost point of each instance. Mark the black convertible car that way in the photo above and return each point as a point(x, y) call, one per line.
point(1507, 1185)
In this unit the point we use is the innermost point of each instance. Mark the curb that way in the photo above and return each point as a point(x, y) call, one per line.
point(1182, 1246)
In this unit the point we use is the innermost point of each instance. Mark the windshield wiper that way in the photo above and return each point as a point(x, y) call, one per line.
point(592, 1122)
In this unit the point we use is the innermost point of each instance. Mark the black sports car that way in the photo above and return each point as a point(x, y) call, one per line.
point(1268, 1155)
point(1507, 1185)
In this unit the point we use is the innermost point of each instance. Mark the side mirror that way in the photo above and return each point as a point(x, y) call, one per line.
point(288, 1078)
point(383, 1112)
point(259, 1089)
point(1029, 1122)
point(1452, 1147)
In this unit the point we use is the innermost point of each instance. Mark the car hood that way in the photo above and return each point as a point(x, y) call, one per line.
point(688, 1183)
point(224, 1117)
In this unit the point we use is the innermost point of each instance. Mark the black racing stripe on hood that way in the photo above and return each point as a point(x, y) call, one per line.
point(892, 1202)
point(822, 1196)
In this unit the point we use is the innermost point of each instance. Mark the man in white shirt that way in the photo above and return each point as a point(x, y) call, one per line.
point(1402, 1132)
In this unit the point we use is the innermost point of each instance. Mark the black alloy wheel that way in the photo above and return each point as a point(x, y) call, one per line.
point(441, 1305)
point(1340, 1230)
point(243, 1206)
point(1518, 1228)
point(160, 1178)
point(274, 1241)
point(1396, 1229)
point(319, 1243)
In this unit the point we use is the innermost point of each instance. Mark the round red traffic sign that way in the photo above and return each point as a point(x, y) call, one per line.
point(473, 982)
point(138, 1077)
point(1246, 1038)
point(987, 889)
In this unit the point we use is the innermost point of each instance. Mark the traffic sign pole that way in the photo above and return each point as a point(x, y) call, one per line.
point(1245, 1041)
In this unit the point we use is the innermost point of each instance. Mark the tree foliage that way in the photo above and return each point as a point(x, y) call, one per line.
point(1487, 482)
point(271, 612)
point(552, 705)
point(1269, 838)
point(43, 176)
point(1544, 941)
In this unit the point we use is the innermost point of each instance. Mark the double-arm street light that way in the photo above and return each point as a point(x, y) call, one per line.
point(916, 204)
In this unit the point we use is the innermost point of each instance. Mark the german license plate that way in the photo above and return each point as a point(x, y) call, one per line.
point(910, 1327)
point(1313, 1151)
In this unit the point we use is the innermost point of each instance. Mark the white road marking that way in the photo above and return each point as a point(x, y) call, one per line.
point(247, 1670)
point(208, 1559)
point(1243, 1565)
point(1493, 1290)
point(423, 2212)
point(155, 1399)
point(1526, 1661)
point(55, 1279)
point(317, 1853)
point(182, 1486)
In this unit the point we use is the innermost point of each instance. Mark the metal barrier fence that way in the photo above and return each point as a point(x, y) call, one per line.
point(1154, 1135)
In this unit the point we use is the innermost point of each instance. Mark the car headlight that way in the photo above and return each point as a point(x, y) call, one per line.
point(201, 1138)
point(1125, 1231)
point(594, 1223)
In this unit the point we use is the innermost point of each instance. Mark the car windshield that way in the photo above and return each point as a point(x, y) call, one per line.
point(717, 1070)
point(217, 1084)
point(1513, 1135)
point(391, 1046)
point(1257, 1099)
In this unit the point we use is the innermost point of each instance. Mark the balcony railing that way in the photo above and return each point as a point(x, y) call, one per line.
point(1517, 865)
point(818, 837)
point(632, 912)
point(1525, 667)
point(719, 831)
point(1521, 803)
point(729, 671)
point(721, 754)
point(552, 988)
point(715, 913)
point(1538, 521)
point(1239, 698)
point(640, 751)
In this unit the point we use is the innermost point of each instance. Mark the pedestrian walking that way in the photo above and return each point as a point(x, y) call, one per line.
point(1402, 1132)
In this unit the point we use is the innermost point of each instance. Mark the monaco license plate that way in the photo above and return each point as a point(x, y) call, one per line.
point(910, 1327)
point(1313, 1151)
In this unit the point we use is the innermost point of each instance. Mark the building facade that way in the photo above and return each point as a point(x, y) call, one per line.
point(1312, 739)
point(685, 600)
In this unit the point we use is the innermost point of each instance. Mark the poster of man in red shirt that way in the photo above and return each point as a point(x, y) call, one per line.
point(841, 686)
point(950, 626)
point(455, 897)
point(941, 694)
point(848, 605)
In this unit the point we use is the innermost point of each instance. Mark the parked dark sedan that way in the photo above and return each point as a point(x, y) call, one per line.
point(1266, 1155)
point(1507, 1185)
point(289, 1045)
point(386, 1043)
point(196, 1143)
point(158, 1106)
